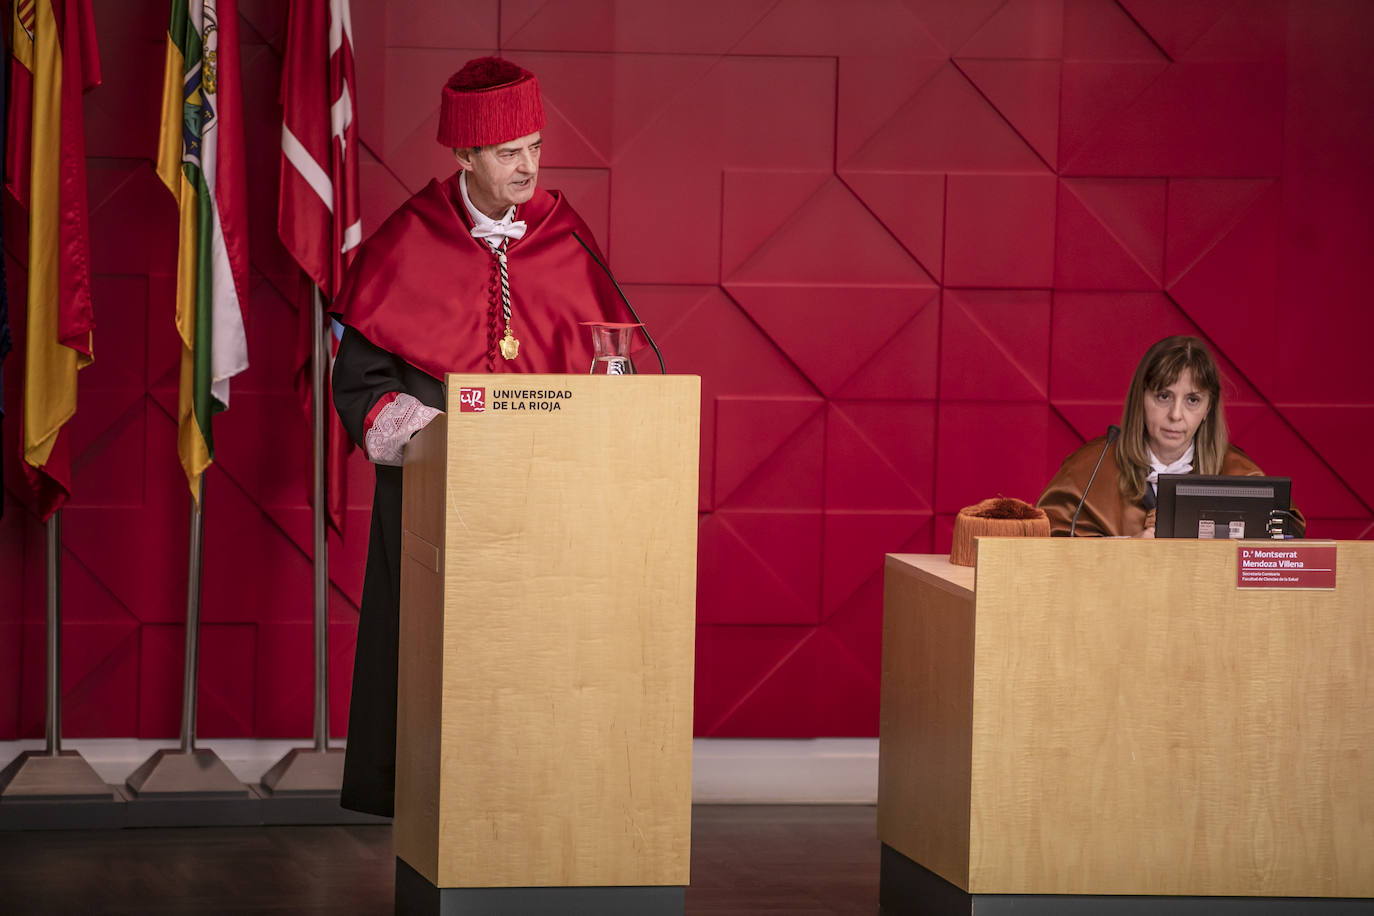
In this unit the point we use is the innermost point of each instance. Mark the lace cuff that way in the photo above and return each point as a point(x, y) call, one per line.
point(393, 426)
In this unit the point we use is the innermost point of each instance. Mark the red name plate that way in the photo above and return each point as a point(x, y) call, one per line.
point(1286, 565)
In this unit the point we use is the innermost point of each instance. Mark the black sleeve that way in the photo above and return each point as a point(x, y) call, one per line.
point(364, 373)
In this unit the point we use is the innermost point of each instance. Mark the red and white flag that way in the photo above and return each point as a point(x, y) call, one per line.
point(317, 210)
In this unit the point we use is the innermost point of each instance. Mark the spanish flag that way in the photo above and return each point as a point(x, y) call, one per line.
point(54, 60)
point(200, 159)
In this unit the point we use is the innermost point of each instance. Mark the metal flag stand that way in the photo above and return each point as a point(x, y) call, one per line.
point(52, 774)
point(317, 770)
point(188, 773)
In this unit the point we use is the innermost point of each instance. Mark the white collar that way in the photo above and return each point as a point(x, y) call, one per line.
point(492, 231)
point(1183, 465)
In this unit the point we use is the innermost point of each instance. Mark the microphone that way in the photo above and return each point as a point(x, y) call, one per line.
point(625, 299)
point(1112, 432)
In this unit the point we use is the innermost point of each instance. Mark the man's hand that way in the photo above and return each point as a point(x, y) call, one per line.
point(394, 425)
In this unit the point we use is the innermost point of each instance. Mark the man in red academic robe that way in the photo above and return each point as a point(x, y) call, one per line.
point(482, 272)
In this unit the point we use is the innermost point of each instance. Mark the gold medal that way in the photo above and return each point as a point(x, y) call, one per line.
point(509, 345)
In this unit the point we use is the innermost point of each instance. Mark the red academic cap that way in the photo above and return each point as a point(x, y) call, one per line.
point(489, 101)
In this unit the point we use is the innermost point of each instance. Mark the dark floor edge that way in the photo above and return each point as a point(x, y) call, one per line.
point(65, 814)
point(909, 889)
point(255, 808)
point(415, 896)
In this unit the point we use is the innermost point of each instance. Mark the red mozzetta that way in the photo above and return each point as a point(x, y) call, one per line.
point(424, 289)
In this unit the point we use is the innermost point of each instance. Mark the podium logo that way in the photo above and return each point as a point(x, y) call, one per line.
point(472, 400)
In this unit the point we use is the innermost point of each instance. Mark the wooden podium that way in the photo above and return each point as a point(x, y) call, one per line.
point(1113, 726)
point(548, 588)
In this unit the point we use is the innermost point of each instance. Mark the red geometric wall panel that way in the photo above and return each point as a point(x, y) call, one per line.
point(914, 264)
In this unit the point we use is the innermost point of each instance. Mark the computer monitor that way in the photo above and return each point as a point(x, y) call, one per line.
point(1203, 506)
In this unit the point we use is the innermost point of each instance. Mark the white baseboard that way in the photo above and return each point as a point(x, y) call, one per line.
point(770, 771)
point(724, 770)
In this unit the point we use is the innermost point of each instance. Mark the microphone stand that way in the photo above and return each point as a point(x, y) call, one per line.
point(1112, 432)
point(625, 299)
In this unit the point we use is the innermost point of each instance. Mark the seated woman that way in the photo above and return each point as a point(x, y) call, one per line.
point(1173, 423)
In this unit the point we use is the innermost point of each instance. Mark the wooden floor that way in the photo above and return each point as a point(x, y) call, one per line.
point(800, 860)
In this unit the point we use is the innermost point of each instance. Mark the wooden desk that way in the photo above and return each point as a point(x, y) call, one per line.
point(1116, 717)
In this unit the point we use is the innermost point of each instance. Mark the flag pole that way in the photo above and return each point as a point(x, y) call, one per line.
point(188, 773)
point(190, 664)
point(53, 774)
point(317, 770)
point(54, 592)
point(318, 354)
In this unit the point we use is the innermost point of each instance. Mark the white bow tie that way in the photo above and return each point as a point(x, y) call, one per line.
point(497, 231)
